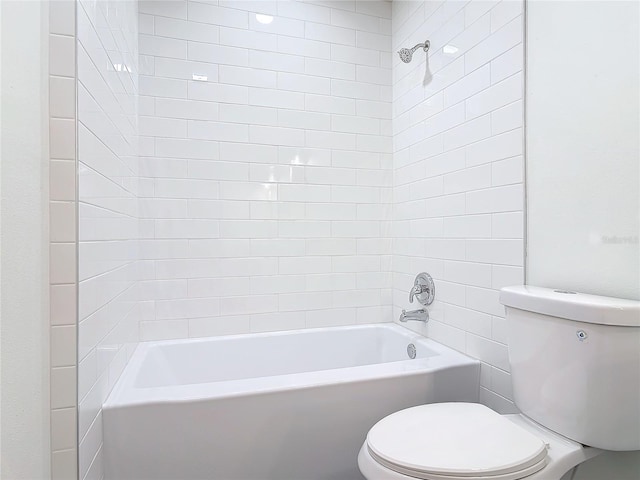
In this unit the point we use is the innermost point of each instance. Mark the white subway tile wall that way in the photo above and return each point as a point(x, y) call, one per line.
point(280, 168)
point(458, 173)
point(265, 165)
point(109, 231)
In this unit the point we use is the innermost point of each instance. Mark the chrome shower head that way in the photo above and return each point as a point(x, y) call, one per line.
point(407, 53)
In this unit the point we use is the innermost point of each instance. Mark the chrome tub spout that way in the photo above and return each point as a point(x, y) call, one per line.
point(421, 315)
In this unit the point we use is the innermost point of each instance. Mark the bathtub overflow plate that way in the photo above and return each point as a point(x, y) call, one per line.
point(411, 351)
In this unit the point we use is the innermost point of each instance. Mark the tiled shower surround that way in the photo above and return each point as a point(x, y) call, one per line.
point(265, 165)
point(291, 172)
point(267, 180)
point(108, 231)
point(458, 192)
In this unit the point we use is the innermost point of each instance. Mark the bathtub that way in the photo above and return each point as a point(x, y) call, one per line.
point(284, 406)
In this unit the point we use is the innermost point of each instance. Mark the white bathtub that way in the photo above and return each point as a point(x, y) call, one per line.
point(283, 406)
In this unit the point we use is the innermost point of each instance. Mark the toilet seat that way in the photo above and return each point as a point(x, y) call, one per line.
point(455, 441)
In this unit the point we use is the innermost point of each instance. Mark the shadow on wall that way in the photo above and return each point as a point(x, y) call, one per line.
point(428, 76)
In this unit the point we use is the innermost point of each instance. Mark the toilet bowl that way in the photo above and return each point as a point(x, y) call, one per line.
point(575, 369)
point(466, 441)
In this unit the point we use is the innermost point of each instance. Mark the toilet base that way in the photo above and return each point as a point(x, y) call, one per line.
point(563, 454)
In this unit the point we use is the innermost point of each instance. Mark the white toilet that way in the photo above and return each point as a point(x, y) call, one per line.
point(575, 365)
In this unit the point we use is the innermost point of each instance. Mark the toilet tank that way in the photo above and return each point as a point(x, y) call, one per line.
point(575, 364)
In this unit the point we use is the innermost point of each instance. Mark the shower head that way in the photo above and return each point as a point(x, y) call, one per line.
point(407, 53)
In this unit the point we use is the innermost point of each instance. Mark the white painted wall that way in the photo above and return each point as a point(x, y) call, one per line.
point(265, 165)
point(583, 146)
point(458, 183)
point(24, 338)
point(583, 168)
point(0, 249)
point(107, 88)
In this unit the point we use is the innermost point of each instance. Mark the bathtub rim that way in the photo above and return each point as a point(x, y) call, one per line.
point(126, 394)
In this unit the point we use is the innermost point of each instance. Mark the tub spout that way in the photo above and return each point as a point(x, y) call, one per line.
point(421, 315)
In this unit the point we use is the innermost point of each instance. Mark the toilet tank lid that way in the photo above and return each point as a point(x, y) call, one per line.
point(580, 307)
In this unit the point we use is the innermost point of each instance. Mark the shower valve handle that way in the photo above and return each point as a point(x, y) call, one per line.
point(417, 290)
point(424, 289)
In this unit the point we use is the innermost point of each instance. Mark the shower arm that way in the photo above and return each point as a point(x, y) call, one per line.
point(425, 46)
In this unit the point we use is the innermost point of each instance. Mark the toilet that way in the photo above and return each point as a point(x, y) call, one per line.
point(575, 367)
